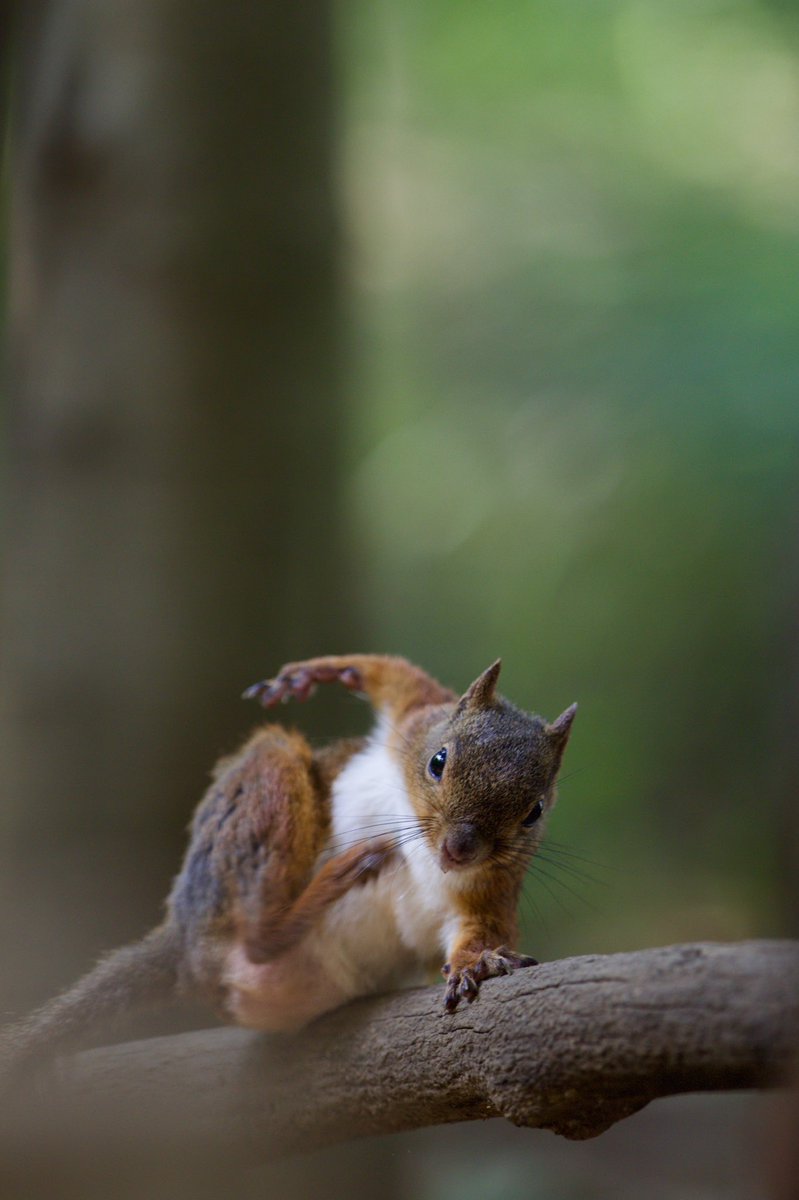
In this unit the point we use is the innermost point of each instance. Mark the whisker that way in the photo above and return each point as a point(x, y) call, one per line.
point(389, 820)
point(397, 732)
point(575, 872)
point(407, 839)
point(516, 856)
point(527, 902)
point(397, 822)
point(571, 774)
point(374, 830)
point(553, 894)
point(561, 883)
point(564, 850)
point(394, 839)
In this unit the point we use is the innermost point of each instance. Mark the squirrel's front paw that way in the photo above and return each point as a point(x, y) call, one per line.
point(297, 681)
point(464, 982)
point(363, 863)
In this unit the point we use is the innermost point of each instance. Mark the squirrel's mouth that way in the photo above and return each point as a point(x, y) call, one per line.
point(448, 862)
point(454, 856)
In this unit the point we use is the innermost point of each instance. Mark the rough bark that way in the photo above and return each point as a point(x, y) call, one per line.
point(571, 1046)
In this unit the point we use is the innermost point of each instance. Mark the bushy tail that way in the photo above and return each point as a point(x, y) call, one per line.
point(140, 976)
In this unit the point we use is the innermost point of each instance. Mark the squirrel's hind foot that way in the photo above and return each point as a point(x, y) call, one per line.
point(298, 681)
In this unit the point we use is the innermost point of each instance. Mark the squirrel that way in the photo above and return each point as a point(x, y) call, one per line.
point(315, 876)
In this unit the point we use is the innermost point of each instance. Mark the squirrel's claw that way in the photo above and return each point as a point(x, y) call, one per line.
point(299, 685)
point(464, 984)
point(461, 985)
point(263, 692)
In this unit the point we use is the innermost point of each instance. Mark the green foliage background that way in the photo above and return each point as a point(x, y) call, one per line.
point(574, 243)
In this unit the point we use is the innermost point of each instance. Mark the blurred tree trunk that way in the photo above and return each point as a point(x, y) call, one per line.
point(172, 474)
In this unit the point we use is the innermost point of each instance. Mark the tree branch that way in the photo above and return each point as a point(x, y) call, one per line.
point(571, 1046)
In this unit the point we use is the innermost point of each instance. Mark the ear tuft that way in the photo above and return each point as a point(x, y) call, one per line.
point(558, 732)
point(480, 694)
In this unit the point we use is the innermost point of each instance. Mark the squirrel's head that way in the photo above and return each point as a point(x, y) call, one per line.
point(486, 777)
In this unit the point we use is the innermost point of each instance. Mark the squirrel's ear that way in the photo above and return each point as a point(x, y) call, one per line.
point(558, 732)
point(480, 694)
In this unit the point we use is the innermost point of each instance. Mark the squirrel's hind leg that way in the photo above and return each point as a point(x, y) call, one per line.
point(392, 685)
point(262, 832)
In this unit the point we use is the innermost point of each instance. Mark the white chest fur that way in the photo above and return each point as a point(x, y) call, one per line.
point(386, 932)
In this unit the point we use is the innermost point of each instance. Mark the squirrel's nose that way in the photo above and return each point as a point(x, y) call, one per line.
point(461, 845)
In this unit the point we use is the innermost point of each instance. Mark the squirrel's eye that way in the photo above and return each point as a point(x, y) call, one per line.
point(533, 815)
point(436, 764)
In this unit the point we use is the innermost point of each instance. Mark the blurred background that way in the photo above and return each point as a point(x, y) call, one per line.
point(448, 330)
